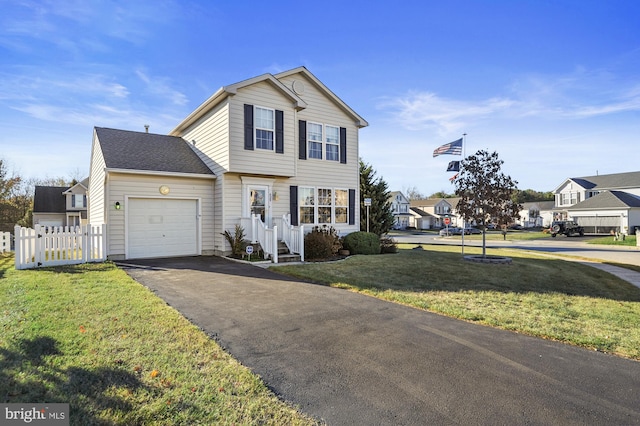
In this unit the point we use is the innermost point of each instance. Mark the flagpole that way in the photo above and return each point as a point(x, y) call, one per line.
point(464, 147)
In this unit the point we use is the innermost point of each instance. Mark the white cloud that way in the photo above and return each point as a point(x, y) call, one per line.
point(160, 87)
point(578, 95)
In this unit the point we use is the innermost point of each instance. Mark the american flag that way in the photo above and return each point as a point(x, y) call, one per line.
point(453, 148)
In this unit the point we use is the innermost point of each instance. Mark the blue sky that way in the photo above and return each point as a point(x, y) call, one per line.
point(552, 86)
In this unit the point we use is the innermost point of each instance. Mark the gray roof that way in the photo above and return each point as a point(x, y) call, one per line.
point(124, 149)
point(544, 205)
point(420, 212)
point(49, 199)
point(608, 200)
point(613, 181)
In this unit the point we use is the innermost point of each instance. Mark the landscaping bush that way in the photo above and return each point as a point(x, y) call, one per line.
point(362, 243)
point(321, 243)
point(388, 245)
point(236, 240)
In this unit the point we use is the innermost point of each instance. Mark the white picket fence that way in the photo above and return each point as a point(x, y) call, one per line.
point(5, 242)
point(53, 246)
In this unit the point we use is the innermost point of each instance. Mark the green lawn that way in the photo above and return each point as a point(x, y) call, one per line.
point(549, 298)
point(90, 336)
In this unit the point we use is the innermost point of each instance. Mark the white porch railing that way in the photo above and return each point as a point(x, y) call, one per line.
point(42, 246)
point(5, 242)
point(257, 232)
point(292, 236)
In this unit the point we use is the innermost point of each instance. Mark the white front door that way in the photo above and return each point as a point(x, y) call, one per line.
point(258, 202)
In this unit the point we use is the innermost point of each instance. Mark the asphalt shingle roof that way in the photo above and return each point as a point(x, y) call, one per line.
point(608, 199)
point(124, 149)
point(49, 199)
point(613, 181)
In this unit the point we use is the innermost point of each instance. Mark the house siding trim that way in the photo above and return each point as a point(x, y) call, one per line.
point(160, 173)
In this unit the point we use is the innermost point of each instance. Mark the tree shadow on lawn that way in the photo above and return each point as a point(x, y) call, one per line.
point(28, 374)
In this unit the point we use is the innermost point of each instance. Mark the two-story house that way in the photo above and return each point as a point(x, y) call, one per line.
point(429, 213)
point(601, 203)
point(400, 207)
point(282, 148)
point(55, 206)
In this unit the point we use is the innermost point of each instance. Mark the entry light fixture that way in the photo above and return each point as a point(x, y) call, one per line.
point(117, 205)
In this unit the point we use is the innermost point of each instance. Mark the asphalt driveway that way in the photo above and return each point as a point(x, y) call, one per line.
point(346, 358)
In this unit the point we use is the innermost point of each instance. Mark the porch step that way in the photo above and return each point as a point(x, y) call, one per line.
point(284, 258)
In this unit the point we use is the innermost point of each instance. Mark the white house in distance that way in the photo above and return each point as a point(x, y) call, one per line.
point(601, 203)
point(537, 214)
point(400, 208)
point(281, 147)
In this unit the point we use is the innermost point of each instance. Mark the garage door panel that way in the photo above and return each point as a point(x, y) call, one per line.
point(162, 227)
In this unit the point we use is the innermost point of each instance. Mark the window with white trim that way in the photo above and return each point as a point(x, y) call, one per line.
point(323, 205)
point(306, 203)
point(323, 140)
point(341, 206)
point(314, 136)
point(264, 123)
point(333, 143)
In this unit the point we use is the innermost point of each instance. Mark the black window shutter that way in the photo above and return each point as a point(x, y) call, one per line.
point(279, 132)
point(293, 204)
point(352, 207)
point(302, 134)
point(248, 126)
point(343, 145)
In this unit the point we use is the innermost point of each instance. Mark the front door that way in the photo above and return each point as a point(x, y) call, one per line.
point(259, 201)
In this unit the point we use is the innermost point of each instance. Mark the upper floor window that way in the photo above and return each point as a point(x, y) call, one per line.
point(324, 140)
point(333, 143)
point(314, 136)
point(78, 201)
point(264, 123)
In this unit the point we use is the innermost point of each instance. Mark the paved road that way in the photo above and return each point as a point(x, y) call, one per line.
point(349, 359)
point(574, 246)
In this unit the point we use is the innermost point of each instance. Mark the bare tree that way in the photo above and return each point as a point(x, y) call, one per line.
point(413, 193)
point(485, 192)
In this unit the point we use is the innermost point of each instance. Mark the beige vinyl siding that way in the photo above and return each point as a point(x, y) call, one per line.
point(96, 192)
point(260, 161)
point(211, 136)
point(323, 173)
point(122, 185)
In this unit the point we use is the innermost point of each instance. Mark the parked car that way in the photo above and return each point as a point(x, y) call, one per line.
point(451, 230)
point(567, 228)
point(471, 230)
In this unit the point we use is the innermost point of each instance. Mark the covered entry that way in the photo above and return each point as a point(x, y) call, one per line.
point(162, 227)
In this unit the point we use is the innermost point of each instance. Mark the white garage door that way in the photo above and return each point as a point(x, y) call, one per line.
point(162, 227)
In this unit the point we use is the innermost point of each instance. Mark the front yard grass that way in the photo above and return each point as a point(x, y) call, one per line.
point(90, 336)
point(549, 298)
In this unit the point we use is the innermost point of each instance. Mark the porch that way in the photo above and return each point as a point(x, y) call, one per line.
point(282, 242)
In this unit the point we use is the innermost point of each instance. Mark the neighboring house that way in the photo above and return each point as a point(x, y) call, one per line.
point(601, 203)
point(400, 208)
point(429, 213)
point(273, 146)
point(537, 214)
point(61, 205)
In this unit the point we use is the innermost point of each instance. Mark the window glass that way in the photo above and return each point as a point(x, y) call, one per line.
point(341, 205)
point(333, 141)
point(314, 136)
point(306, 201)
point(265, 125)
point(324, 205)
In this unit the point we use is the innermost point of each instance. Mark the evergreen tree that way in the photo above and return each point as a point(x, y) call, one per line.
point(381, 218)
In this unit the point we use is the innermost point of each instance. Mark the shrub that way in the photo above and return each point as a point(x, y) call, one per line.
point(321, 243)
point(362, 243)
point(236, 240)
point(388, 245)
